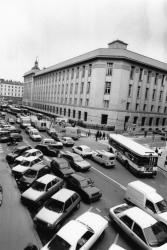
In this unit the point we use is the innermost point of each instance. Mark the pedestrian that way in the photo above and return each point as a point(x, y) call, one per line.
point(104, 135)
point(159, 152)
point(100, 135)
point(97, 135)
point(156, 150)
point(31, 246)
point(89, 134)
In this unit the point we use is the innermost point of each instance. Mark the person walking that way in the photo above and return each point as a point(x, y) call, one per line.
point(104, 135)
point(97, 135)
point(100, 135)
point(31, 246)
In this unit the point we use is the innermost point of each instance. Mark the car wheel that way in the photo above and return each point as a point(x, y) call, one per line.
point(78, 206)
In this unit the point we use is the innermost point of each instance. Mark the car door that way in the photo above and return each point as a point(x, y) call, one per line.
point(67, 207)
point(139, 236)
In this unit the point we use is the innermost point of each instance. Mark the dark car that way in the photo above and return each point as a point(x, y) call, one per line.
point(15, 137)
point(14, 130)
point(4, 136)
point(11, 121)
point(55, 136)
point(76, 161)
point(33, 174)
point(84, 186)
point(48, 150)
point(61, 167)
point(16, 152)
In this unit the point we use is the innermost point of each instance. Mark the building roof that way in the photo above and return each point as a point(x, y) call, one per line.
point(10, 82)
point(107, 53)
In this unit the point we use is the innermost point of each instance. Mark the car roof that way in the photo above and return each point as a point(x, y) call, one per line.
point(72, 226)
point(32, 150)
point(104, 152)
point(59, 160)
point(84, 146)
point(143, 219)
point(39, 165)
point(48, 139)
point(66, 137)
point(30, 158)
point(63, 194)
point(78, 177)
point(47, 178)
point(22, 147)
point(71, 153)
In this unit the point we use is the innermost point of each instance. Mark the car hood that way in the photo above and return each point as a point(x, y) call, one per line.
point(32, 194)
point(163, 217)
point(91, 190)
point(83, 164)
point(48, 216)
point(163, 247)
point(27, 179)
point(20, 168)
point(67, 171)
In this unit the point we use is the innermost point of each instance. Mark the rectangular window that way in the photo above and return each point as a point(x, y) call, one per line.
point(67, 74)
point(76, 88)
point(109, 69)
point(80, 101)
point(160, 95)
point(156, 79)
point(159, 109)
point(163, 121)
point(163, 78)
point(157, 121)
point(143, 121)
point(88, 88)
point(149, 76)
point(132, 72)
point(154, 94)
point(71, 88)
point(146, 94)
point(152, 107)
point(138, 92)
point(82, 87)
point(135, 120)
point(104, 119)
point(87, 102)
point(90, 70)
point(65, 112)
point(165, 110)
point(83, 71)
point(73, 113)
point(106, 103)
point(144, 107)
point(107, 88)
point(130, 90)
point(85, 116)
point(77, 73)
point(69, 112)
point(127, 105)
point(141, 75)
point(79, 114)
point(137, 106)
point(72, 73)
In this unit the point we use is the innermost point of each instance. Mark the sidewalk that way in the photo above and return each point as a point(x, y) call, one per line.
point(16, 229)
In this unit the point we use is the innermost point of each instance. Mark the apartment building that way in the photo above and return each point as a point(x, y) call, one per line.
point(11, 90)
point(110, 86)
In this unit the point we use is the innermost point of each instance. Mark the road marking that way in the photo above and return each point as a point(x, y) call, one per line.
point(99, 210)
point(120, 185)
point(106, 217)
point(90, 208)
point(116, 239)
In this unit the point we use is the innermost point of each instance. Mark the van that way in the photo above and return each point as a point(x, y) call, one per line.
point(104, 158)
point(146, 197)
point(41, 125)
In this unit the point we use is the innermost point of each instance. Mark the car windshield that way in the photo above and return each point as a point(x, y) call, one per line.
point(55, 205)
point(162, 206)
point(35, 133)
point(16, 151)
point(38, 186)
point(156, 234)
point(31, 173)
point(25, 163)
point(58, 243)
point(25, 154)
point(49, 141)
point(78, 158)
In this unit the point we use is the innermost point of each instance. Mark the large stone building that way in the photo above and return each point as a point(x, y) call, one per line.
point(11, 91)
point(110, 86)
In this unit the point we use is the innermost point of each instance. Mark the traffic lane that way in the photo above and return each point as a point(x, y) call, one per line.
point(16, 229)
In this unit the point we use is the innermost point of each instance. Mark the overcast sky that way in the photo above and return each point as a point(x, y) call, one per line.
point(56, 30)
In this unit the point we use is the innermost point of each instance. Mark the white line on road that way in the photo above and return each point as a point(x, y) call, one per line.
point(120, 185)
point(116, 239)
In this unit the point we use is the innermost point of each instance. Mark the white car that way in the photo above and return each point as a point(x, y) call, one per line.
point(52, 142)
point(80, 233)
point(67, 141)
point(104, 158)
point(28, 153)
point(116, 247)
point(141, 227)
point(34, 135)
point(82, 150)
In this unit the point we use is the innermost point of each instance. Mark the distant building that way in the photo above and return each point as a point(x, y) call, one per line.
point(110, 86)
point(11, 91)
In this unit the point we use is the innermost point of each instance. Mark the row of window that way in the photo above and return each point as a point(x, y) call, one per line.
point(145, 108)
point(149, 74)
point(146, 94)
point(150, 121)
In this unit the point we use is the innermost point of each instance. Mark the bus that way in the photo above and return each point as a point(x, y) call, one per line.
point(135, 157)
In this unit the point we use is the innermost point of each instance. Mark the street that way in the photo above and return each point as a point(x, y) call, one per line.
point(112, 182)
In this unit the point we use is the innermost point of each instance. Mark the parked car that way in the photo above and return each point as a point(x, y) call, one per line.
point(84, 186)
point(55, 136)
point(24, 165)
point(141, 227)
point(67, 141)
point(48, 150)
point(34, 135)
point(13, 129)
point(32, 175)
point(4, 136)
point(80, 233)
point(11, 120)
point(15, 137)
point(61, 167)
point(76, 161)
point(52, 142)
point(82, 150)
point(16, 152)
point(31, 152)
point(57, 208)
point(28, 128)
point(50, 131)
point(104, 158)
point(41, 190)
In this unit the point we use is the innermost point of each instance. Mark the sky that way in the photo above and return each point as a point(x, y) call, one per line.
point(56, 30)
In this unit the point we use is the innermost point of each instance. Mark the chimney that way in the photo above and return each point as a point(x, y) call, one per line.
point(117, 44)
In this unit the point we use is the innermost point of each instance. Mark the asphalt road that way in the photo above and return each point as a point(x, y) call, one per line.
point(112, 182)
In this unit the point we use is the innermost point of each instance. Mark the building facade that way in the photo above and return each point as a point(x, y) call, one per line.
point(11, 91)
point(110, 86)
